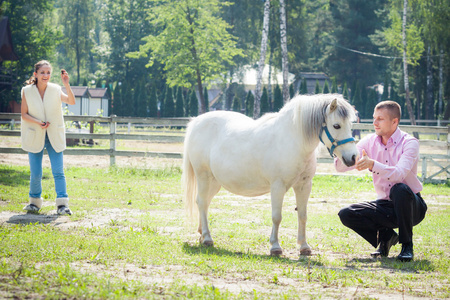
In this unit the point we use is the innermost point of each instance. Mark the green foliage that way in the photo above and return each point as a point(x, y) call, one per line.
point(169, 105)
point(34, 37)
point(153, 103)
point(179, 105)
point(291, 91)
point(236, 103)
point(189, 29)
point(77, 18)
point(393, 36)
point(317, 88)
point(345, 91)
point(326, 89)
point(334, 88)
point(205, 94)
point(193, 104)
point(117, 99)
point(303, 87)
point(372, 100)
point(249, 103)
point(264, 102)
point(277, 99)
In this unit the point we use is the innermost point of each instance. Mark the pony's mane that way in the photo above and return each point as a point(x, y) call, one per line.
point(309, 111)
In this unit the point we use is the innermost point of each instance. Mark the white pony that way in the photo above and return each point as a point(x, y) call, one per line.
point(272, 154)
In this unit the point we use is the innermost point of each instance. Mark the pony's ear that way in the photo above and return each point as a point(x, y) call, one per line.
point(333, 105)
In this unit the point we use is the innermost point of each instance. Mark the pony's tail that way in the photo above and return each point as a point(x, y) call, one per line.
point(189, 182)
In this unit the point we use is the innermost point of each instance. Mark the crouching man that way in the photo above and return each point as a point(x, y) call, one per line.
point(391, 155)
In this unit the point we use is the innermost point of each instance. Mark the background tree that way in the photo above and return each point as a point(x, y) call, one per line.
point(264, 102)
point(326, 89)
point(257, 110)
point(354, 21)
point(179, 105)
point(249, 102)
point(153, 103)
point(284, 52)
point(345, 92)
point(34, 38)
point(236, 103)
point(77, 20)
point(334, 88)
point(193, 104)
point(189, 29)
point(205, 93)
point(303, 87)
point(317, 88)
point(291, 91)
point(169, 105)
point(277, 99)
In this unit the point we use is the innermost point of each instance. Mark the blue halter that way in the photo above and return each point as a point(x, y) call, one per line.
point(334, 142)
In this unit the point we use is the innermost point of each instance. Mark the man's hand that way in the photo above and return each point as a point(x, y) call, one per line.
point(365, 162)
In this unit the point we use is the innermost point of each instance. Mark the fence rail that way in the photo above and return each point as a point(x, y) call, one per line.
point(439, 161)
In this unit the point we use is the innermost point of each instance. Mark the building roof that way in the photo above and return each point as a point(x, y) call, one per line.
point(78, 91)
point(98, 92)
point(311, 75)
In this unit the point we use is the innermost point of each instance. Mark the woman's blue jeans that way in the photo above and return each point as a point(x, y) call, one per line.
point(56, 161)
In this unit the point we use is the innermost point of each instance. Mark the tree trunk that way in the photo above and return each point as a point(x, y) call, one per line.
point(284, 52)
point(405, 69)
point(429, 111)
point(77, 47)
point(265, 32)
point(197, 70)
point(269, 87)
point(441, 80)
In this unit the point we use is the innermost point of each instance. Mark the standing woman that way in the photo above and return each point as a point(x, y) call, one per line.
point(43, 127)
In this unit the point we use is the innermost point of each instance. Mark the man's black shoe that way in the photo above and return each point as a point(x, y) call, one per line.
point(407, 253)
point(385, 246)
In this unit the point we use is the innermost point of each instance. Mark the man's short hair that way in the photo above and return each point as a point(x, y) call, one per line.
point(395, 111)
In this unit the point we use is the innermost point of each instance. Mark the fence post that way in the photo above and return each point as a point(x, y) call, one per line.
point(424, 169)
point(112, 141)
point(13, 123)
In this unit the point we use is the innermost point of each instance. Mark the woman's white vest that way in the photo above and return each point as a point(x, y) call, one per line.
point(47, 110)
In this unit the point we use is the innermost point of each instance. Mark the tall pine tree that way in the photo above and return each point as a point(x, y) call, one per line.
point(205, 95)
point(153, 103)
point(264, 102)
point(193, 104)
point(179, 105)
point(249, 102)
point(317, 88)
point(326, 89)
point(236, 103)
point(277, 99)
point(169, 105)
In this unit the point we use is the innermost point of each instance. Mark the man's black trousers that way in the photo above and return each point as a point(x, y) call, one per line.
point(375, 220)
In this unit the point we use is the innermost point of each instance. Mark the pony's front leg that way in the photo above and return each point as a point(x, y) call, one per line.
point(277, 192)
point(302, 192)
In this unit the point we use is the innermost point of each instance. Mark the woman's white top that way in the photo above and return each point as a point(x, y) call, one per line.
point(47, 109)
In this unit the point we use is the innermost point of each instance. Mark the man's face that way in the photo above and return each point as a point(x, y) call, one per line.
point(383, 123)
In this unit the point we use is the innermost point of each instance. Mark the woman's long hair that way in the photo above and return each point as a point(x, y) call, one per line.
point(37, 66)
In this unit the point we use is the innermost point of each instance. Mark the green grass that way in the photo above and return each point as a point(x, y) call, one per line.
point(128, 239)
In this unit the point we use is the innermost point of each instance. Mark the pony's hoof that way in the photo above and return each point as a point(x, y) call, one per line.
point(276, 252)
point(208, 243)
point(306, 252)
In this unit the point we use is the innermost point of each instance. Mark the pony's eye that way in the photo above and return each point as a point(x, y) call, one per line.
point(337, 126)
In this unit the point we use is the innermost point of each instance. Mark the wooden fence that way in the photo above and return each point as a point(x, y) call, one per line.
point(441, 162)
